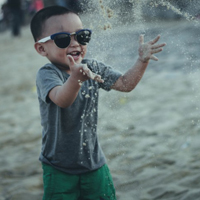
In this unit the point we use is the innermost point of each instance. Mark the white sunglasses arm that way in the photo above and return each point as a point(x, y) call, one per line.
point(44, 39)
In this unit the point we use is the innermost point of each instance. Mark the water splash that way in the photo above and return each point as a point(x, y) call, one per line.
point(111, 12)
point(176, 10)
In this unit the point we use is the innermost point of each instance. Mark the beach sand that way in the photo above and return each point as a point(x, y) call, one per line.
point(150, 136)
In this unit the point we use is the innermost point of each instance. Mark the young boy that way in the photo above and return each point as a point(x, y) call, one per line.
point(74, 166)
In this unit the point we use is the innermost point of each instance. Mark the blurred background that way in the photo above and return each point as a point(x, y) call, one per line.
point(17, 13)
point(151, 136)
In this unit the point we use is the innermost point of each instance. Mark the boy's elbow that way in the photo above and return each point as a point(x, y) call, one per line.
point(60, 101)
point(127, 90)
point(128, 87)
point(63, 104)
point(124, 89)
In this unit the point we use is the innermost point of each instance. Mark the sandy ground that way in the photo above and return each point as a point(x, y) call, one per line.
point(150, 136)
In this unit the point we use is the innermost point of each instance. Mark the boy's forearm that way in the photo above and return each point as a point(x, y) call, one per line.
point(64, 95)
point(131, 78)
point(134, 74)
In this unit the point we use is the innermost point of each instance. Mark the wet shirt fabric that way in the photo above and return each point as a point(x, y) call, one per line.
point(69, 136)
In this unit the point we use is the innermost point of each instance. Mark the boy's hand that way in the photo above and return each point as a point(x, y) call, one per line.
point(81, 72)
point(146, 50)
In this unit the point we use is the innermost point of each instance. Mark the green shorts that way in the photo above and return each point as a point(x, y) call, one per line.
point(95, 185)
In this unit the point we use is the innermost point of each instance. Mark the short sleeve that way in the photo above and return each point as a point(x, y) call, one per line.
point(47, 78)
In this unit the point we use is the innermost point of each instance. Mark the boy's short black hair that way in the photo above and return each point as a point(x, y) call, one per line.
point(41, 16)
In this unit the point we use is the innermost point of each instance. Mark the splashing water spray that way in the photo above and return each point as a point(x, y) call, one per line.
point(135, 14)
point(111, 11)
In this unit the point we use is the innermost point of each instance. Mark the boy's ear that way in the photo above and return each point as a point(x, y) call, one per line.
point(40, 49)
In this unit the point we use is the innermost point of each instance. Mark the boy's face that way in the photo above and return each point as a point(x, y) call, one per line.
point(62, 23)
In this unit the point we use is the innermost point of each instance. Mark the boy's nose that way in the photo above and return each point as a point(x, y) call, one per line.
point(73, 41)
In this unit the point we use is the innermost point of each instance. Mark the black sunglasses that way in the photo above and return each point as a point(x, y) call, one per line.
point(63, 39)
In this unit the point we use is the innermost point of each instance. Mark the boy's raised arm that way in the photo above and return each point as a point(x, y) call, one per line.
point(130, 79)
point(64, 95)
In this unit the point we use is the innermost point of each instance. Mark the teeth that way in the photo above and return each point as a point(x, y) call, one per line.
point(74, 53)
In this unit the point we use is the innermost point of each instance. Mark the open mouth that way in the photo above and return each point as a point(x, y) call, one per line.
point(75, 54)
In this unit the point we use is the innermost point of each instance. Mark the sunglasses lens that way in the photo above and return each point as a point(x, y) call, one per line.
point(62, 40)
point(83, 37)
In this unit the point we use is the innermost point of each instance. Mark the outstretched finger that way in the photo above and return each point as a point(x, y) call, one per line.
point(158, 46)
point(155, 40)
point(86, 70)
point(156, 50)
point(71, 60)
point(98, 78)
point(92, 75)
point(154, 58)
point(141, 41)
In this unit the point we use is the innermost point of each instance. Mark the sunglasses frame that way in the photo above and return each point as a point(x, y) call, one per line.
point(51, 37)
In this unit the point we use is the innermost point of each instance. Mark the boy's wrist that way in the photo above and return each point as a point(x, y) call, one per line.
point(75, 81)
point(143, 60)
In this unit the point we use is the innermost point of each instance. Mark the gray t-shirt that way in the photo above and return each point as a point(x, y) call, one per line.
point(69, 136)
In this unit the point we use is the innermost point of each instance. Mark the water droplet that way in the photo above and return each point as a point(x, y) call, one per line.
point(84, 144)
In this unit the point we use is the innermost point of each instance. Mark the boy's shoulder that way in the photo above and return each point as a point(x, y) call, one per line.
point(48, 66)
point(48, 69)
